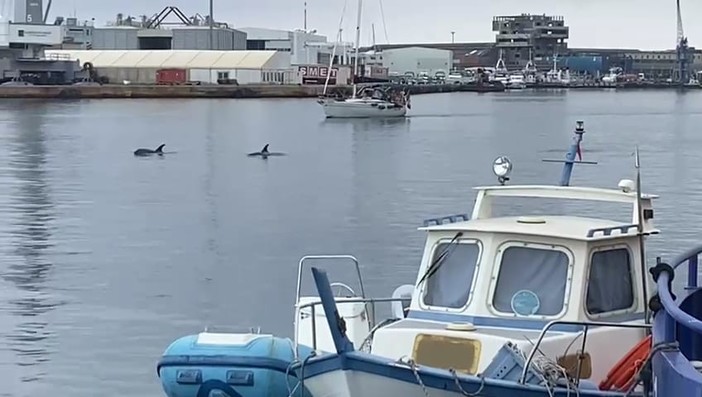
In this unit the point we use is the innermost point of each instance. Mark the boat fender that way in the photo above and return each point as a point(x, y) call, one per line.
point(623, 374)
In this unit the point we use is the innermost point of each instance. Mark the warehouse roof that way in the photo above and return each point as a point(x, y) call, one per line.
point(185, 59)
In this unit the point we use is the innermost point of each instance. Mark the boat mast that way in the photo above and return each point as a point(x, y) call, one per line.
point(339, 39)
point(358, 43)
point(331, 64)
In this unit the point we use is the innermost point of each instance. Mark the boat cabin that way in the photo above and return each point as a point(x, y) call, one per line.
point(489, 280)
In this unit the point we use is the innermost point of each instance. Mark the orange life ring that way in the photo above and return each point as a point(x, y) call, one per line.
point(623, 375)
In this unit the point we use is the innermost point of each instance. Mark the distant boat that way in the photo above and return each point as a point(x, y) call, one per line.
point(364, 107)
point(369, 102)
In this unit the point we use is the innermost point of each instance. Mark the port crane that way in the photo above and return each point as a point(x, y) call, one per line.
point(681, 75)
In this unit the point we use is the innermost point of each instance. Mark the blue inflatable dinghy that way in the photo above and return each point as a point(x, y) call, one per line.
point(231, 365)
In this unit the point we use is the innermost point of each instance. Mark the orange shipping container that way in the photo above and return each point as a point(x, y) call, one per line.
point(171, 76)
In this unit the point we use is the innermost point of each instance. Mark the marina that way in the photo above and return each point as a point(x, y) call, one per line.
point(78, 286)
point(193, 207)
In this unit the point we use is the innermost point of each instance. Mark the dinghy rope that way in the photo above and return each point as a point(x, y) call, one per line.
point(301, 376)
point(460, 388)
point(644, 373)
point(404, 360)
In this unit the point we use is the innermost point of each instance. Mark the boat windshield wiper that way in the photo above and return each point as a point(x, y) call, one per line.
point(439, 259)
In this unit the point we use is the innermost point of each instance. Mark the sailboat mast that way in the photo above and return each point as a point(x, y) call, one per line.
point(358, 44)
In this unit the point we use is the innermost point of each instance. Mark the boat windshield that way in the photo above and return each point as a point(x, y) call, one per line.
point(531, 280)
point(449, 282)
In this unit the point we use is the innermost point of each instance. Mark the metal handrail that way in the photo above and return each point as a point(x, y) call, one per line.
point(301, 264)
point(371, 318)
point(586, 325)
point(300, 268)
point(671, 308)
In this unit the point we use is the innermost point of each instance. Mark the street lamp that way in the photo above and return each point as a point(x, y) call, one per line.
point(211, 40)
point(453, 35)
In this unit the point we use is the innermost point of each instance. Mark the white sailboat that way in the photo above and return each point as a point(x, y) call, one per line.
point(372, 103)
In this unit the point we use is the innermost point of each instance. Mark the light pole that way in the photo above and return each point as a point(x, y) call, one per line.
point(211, 25)
point(453, 36)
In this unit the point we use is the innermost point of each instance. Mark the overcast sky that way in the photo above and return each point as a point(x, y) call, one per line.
point(645, 24)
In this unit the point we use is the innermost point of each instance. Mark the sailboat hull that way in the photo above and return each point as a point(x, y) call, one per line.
point(361, 108)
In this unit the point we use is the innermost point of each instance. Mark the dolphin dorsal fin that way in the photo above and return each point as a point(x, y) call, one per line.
point(160, 148)
point(265, 149)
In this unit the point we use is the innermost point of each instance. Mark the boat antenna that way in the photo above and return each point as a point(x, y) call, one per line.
point(642, 250)
point(573, 151)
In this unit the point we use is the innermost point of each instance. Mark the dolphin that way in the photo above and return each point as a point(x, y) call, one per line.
point(148, 152)
point(264, 153)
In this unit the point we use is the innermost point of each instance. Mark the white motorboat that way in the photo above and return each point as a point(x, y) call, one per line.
point(547, 305)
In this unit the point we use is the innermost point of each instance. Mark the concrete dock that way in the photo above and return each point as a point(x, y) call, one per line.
point(205, 91)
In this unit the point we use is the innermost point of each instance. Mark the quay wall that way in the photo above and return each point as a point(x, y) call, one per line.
point(203, 91)
point(258, 91)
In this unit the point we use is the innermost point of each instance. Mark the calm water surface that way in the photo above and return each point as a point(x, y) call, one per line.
point(106, 258)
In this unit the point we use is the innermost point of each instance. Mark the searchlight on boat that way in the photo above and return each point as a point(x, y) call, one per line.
point(502, 167)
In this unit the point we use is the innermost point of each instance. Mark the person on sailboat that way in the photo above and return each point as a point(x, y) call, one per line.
point(406, 97)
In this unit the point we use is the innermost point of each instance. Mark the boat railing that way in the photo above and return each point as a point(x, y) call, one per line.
point(369, 302)
point(586, 326)
point(338, 258)
point(672, 314)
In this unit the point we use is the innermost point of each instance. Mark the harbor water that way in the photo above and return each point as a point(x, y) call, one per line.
point(105, 258)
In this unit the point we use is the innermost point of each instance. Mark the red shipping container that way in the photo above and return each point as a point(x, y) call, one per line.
point(171, 76)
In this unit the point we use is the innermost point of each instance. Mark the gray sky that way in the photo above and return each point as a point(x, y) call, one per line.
point(645, 24)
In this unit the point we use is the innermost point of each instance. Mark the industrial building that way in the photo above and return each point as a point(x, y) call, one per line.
point(411, 60)
point(182, 38)
point(155, 33)
point(25, 35)
point(661, 64)
point(305, 47)
point(526, 37)
point(464, 55)
point(209, 67)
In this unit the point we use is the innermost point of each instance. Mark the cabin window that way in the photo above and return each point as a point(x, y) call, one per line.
point(531, 281)
point(451, 284)
point(610, 286)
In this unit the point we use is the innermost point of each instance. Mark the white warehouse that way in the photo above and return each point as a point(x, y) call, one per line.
point(141, 67)
point(305, 48)
point(413, 60)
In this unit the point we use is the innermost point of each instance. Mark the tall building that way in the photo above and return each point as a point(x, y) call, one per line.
point(523, 37)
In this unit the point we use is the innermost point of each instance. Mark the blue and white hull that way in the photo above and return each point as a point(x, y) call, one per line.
point(357, 374)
